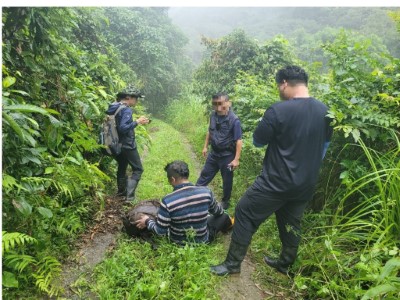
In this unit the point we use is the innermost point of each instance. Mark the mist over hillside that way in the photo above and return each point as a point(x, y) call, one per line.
point(295, 23)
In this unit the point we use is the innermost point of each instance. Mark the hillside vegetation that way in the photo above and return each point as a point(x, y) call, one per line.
point(62, 66)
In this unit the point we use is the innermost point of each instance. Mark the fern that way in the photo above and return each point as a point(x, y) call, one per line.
point(11, 239)
point(12, 260)
point(48, 269)
point(69, 226)
point(18, 262)
point(10, 183)
point(48, 182)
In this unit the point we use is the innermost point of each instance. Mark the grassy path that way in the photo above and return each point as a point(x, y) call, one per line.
point(132, 269)
point(167, 145)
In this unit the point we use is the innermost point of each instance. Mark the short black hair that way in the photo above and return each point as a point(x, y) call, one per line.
point(177, 169)
point(293, 75)
point(220, 95)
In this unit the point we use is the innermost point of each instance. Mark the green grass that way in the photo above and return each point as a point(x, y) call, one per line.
point(134, 270)
point(190, 117)
point(166, 146)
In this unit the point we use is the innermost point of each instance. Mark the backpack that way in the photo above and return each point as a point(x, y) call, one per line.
point(109, 135)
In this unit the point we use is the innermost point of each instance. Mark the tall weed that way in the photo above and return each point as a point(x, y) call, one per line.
point(347, 251)
point(189, 116)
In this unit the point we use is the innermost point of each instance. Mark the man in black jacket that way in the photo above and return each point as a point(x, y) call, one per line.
point(297, 132)
point(126, 132)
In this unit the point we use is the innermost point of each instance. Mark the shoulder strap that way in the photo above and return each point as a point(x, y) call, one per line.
point(119, 109)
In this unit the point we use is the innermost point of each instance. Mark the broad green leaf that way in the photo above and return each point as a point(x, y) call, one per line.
point(52, 111)
point(49, 170)
point(34, 159)
point(73, 160)
point(379, 290)
point(23, 93)
point(103, 93)
point(45, 212)
point(392, 266)
point(356, 134)
point(29, 138)
point(9, 280)
point(51, 135)
point(27, 108)
point(8, 81)
point(14, 125)
point(93, 106)
point(344, 174)
point(22, 206)
point(54, 121)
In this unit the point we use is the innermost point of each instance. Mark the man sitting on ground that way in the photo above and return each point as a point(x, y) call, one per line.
point(184, 213)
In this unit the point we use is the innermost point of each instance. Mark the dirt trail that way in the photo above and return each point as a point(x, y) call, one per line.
point(92, 248)
point(102, 235)
point(240, 286)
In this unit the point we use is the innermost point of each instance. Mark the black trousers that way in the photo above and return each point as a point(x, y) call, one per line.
point(255, 206)
point(129, 157)
point(217, 224)
point(212, 166)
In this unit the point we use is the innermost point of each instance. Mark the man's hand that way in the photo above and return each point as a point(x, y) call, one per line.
point(141, 223)
point(204, 152)
point(234, 164)
point(143, 120)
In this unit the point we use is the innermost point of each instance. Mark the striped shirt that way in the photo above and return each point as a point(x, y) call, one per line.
point(183, 214)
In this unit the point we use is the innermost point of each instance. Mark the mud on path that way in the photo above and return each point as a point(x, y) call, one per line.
point(92, 247)
point(101, 237)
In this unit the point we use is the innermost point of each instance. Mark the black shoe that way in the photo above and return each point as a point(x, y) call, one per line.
point(130, 189)
point(121, 183)
point(276, 264)
point(225, 268)
point(234, 258)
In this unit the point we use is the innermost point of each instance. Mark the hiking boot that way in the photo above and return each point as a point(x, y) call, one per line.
point(130, 189)
point(121, 183)
point(285, 260)
point(233, 260)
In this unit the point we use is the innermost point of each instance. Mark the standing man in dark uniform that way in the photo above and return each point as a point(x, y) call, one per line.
point(297, 132)
point(225, 137)
point(126, 132)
